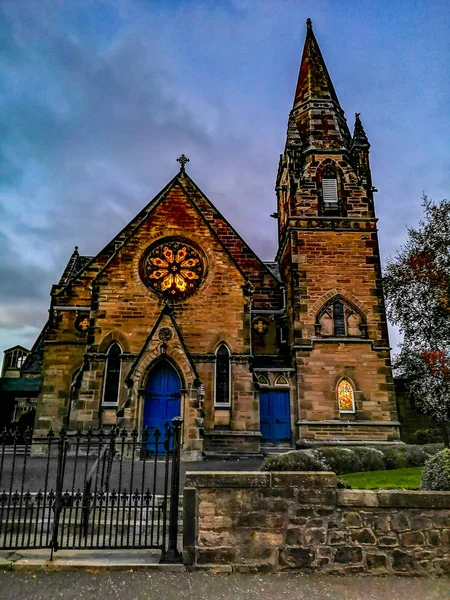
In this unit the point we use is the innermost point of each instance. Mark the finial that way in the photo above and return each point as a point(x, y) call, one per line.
point(182, 160)
point(76, 248)
point(308, 24)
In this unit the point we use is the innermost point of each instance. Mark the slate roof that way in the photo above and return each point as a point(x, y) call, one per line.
point(33, 362)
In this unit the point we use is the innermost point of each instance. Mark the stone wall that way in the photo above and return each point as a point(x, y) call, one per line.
point(252, 521)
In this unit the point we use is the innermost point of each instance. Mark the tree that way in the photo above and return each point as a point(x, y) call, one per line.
point(417, 288)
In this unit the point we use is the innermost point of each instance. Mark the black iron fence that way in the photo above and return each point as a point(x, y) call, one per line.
point(91, 489)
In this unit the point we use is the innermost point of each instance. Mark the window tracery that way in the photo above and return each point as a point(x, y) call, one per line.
point(173, 268)
point(339, 318)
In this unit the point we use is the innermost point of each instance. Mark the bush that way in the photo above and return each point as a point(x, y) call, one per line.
point(428, 436)
point(296, 460)
point(436, 473)
point(432, 449)
point(371, 459)
point(341, 460)
point(394, 458)
point(415, 456)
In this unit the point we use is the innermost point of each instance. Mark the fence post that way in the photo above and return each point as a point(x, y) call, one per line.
point(57, 506)
point(172, 555)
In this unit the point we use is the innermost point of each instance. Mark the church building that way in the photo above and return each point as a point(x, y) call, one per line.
point(178, 316)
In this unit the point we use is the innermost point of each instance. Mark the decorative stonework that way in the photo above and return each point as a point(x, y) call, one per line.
point(165, 334)
point(173, 268)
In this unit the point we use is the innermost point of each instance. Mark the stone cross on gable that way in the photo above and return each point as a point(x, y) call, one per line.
point(182, 160)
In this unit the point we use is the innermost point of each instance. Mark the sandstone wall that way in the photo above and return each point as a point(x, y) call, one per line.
point(249, 521)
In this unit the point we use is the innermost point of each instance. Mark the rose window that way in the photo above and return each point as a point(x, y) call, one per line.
point(174, 269)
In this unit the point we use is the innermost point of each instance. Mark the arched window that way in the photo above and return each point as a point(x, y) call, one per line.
point(281, 380)
point(112, 375)
point(262, 380)
point(345, 396)
point(340, 318)
point(222, 377)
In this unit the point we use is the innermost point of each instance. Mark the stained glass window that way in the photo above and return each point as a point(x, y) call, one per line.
point(222, 376)
point(345, 396)
point(173, 268)
point(112, 375)
point(262, 380)
point(281, 380)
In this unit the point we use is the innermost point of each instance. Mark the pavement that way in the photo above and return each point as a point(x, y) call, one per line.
point(35, 560)
point(157, 585)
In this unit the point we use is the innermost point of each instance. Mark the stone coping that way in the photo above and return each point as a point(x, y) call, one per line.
point(318, 480)
point(255, 479)
point(394, 498)
point(345, 423)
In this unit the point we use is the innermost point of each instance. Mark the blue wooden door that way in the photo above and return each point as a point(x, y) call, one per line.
point(275, 416)
point(162, 399)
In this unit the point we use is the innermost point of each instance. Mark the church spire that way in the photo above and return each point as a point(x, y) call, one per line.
point(318, 114)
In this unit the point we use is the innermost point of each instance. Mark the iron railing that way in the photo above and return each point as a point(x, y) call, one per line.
point(91, 489)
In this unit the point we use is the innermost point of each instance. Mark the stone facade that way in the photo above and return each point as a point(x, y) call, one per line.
point(293, 330)
point(248, 522)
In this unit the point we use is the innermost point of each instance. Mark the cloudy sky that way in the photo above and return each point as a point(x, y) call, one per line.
point(97, 100)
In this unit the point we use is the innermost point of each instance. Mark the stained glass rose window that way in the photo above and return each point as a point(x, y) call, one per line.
point(173, 268)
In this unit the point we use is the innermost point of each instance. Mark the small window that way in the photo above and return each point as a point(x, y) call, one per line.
point(281, 380)
point(330, 193)
point(223, 377)
point(112, 375)
point(345, 396)
point(262, 380)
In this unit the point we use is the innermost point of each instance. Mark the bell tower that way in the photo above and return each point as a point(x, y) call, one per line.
point(330, 264)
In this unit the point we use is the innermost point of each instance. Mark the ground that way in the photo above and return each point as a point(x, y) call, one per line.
point(144, 585)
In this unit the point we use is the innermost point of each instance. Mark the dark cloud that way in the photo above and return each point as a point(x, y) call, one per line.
point(97, 99)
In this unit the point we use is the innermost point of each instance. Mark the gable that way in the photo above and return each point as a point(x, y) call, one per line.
point(267, 289)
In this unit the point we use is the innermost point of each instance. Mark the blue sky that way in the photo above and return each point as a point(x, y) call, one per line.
point(97, 100)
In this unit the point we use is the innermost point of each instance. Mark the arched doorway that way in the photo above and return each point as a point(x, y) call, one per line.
point(162, 398)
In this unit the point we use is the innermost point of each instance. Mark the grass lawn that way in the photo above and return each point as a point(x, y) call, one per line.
point(408, 479)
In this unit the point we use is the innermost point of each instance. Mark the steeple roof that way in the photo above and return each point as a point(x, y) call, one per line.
point(318, 114)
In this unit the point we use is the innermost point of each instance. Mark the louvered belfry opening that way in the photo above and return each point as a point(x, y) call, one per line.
point(330, 193)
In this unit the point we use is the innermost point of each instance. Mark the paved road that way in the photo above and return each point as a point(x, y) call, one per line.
point(144, 585)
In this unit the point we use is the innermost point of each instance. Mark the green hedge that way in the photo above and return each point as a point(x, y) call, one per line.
point(353, 459)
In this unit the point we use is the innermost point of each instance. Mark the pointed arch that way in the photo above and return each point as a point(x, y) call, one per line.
point(340, 317)
point(345, 395)
point(222, 377)
point(111, 380)
point(281, 380)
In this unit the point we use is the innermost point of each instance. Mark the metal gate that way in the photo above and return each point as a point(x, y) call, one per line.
point(91, 489)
